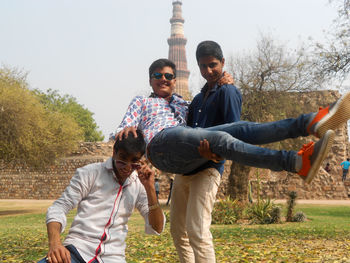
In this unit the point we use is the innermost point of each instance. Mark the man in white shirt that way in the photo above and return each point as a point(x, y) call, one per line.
point(105, 195)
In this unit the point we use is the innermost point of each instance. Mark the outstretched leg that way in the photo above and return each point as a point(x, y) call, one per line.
point(317, 124)
point(175, 150)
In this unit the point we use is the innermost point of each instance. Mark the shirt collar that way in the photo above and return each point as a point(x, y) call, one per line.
point(206, 87)
point(153, 95)
point(109, 166)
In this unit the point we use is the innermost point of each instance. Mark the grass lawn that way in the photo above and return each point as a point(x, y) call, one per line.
point(325, 237)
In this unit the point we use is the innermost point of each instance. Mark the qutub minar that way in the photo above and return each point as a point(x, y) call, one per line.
point(177, 51)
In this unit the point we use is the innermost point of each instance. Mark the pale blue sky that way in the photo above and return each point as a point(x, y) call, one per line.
point(100, 51)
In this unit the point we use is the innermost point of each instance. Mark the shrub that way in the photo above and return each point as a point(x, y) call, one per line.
point(276, 214)
point(263, 212)
point(291, 205)
point(226, 211)
point(299, 217)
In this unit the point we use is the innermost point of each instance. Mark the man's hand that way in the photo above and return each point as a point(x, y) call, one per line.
point(58, 254)
point(204, 151)
point(125, 132)
point(146, 175)
point(225, 79)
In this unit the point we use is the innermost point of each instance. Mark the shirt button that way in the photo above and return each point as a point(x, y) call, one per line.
point(199, 110)
point(196, 123)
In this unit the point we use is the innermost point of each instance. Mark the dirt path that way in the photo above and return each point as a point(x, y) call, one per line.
point(22, 206)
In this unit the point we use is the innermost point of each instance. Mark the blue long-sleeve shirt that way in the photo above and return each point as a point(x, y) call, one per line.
point(223, 104)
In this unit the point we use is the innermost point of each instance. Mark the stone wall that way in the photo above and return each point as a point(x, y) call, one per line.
point(19, 182)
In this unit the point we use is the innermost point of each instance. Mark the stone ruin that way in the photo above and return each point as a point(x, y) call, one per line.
point(20, 182)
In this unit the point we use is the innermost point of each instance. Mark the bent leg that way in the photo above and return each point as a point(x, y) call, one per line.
point(175, 150)
point(178, 209)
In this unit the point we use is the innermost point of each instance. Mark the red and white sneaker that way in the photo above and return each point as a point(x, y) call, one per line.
point(330, 118)
point(313, 155)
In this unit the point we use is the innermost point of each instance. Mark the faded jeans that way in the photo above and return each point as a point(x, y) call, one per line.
point(175, 149)
point(74, 256)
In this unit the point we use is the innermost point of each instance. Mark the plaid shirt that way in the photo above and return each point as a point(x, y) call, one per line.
point(153, 114)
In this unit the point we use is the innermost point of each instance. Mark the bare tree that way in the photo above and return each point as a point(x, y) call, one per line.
point(332, 60)
point(265, 77)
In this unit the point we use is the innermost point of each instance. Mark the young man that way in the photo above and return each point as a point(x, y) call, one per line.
point(345, 165)
point(105, 195)
point(173, 146)
point(194, 196)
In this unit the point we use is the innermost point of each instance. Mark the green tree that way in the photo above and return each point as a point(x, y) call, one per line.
point(68, 105)
point(29, 133)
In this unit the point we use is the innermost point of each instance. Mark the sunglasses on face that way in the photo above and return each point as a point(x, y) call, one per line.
point(121, 164)
point(158, 75)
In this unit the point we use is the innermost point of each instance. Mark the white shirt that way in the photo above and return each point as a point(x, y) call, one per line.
point(103, 210)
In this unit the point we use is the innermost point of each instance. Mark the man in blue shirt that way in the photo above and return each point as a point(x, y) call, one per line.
point(193, 196)
point(345, 166)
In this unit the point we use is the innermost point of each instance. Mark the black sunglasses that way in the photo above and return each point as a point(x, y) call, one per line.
point(158, 75)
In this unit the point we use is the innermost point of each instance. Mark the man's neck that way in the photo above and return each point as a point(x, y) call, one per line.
point(209, 88)
point(119, 179)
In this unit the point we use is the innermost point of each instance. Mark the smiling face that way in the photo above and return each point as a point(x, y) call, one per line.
point(163, 87)
point(211, 69)
point(125, 163)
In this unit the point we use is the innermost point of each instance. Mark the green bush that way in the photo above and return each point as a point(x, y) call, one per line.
point(276, 214)
point(299, 217)
point(226, 212)
point(263, 212)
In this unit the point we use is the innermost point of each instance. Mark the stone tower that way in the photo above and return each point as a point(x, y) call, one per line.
point(177, 51)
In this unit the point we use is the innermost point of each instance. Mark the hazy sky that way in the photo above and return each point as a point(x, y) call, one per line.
point(99, 51)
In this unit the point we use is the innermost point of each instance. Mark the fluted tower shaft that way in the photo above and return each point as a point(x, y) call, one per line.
point(177, 51)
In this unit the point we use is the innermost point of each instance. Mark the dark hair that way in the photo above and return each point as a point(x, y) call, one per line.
point(161, 63)
point(209, 48)
point(348, 159)
point(131, 145)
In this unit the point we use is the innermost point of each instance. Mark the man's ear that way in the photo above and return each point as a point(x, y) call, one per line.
point(223, 61)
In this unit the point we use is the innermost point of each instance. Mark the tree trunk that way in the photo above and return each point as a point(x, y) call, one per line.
point(238, 181)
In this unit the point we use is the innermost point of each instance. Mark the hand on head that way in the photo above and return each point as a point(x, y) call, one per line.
point(124, 133)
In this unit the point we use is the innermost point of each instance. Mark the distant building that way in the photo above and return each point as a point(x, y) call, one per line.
point(177, 51)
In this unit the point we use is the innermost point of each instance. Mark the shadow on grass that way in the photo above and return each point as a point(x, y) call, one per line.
point(15, 212)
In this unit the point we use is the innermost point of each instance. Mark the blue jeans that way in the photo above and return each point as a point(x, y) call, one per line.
point(175, 149)
point(74, 256)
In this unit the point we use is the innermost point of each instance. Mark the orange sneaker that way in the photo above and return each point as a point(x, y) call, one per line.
point(331, 117)
point(313, 155)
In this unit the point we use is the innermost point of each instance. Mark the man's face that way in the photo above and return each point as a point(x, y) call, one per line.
point(211, 69)
point(162, 86)
point(126, 163)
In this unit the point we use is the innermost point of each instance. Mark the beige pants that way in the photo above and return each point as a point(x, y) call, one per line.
point(192, 202)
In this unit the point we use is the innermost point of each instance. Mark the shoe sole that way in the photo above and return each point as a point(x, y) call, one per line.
point(326, 145)
point(339, 114)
